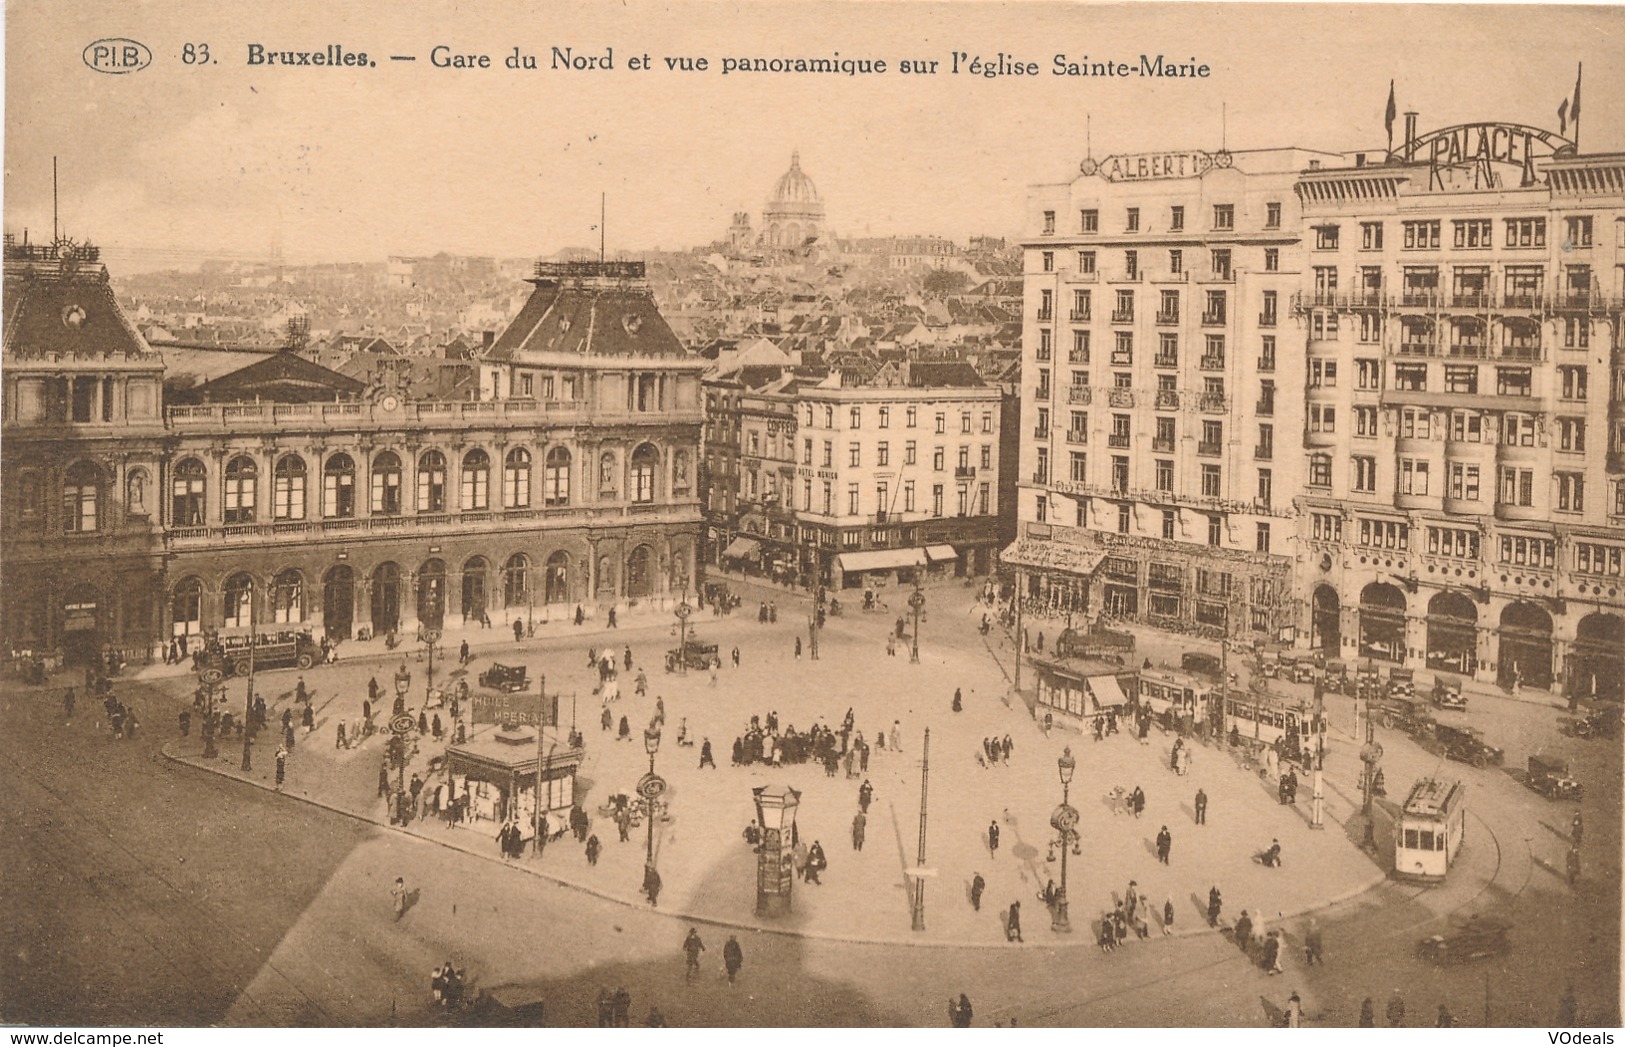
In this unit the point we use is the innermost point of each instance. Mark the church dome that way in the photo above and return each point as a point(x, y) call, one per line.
point(795, 187)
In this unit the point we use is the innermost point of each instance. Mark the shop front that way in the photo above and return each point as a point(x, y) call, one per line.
point(496, 770)
point(1079, 691)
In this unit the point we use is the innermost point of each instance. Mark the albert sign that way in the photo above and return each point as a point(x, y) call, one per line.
point(1146, 167)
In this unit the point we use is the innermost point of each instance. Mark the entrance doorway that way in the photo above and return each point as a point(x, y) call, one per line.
point(338, 602)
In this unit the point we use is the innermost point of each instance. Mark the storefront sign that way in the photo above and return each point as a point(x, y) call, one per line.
point(1147, 167)
point(1482, 145)
point(1029, 552)
point(533, 710)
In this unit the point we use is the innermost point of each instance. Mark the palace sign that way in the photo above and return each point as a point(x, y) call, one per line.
point(1146, 167)
point(1481, 145)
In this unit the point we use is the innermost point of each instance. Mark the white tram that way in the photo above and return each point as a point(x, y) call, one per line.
point(1429, 831)
point(1267, 718)
point(1170, 693)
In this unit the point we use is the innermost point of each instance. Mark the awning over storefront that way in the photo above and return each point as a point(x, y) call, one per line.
point(742, 548)
point(881, 560)
point(1074, 559)
point(1105, 692)
point(941, 553)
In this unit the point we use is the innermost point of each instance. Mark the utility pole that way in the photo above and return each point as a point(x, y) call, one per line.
point(248, 699)
point(919, 878)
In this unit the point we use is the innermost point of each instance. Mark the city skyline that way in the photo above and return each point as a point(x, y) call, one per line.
point(251, 163)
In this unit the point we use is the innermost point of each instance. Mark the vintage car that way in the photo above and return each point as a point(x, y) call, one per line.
point(1467, 745)
point(1405, 714)
point(694, 654)
point(1269, 664)
point(1480, 937)
point(1335, 677)
point(1401, 683)
point(1199, 662)
point(1367, 679)
point(506, 678)
point(1600, 723)
point(1447, 693)
point(1298, 670)
point(1549, 776)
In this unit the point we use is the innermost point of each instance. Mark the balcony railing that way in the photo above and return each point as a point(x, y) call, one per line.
point(1264, 452)
point(1416, 348)
point(1266, 364)
point(1212, 363)
point(1533, 300)
point(1042, 354)
point(1476, 300)
point(1213, 402)
point(1167, 400)
point(1122, 316)
point(1162, 444)
point(1213, 319)
point(1041, 432)
point(1265, 408)
point(1165, 360)
point(1078, 316)
point(1079, 394)
point(1122, 358)
point(964, 472)
point(1117, 440)
point(1168, 317)
point(1077, 436)
point(1045, 316)
point(1468, 350)
point(1266, 319)
point(1040, 476)
point(1042, 393)
point(1077, 356)
point(1207, 447)
point(1419, 299)
point(1120, 397)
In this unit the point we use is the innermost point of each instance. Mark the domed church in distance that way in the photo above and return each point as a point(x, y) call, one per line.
point(794, 216)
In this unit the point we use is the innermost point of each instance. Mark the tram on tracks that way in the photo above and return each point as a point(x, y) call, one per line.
point(1260, 717)
point(1429, 831)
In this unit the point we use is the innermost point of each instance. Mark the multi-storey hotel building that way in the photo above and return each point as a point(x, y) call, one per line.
point(1159, 390)
point(281, 494)
point(1407, 441)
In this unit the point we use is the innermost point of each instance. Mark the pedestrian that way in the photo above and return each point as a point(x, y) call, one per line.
point(1165, 843)
point(891, 646)
point(1131, 900)
point(1368, 1015)
point(462, 653)
point(816, 863)
point(383, 780)
point(623, 823)
point(68, 700)
point(281, 766)
point(1575, 826)
point(859, 823)
point(959, 1013)
point(399, 893)
point(1201, 807)
point(626, 660)
point(959, 705)
point(977, 886)
point(866, 795)
point(798, 648)
point(897, 736)
point(1137, 801)
point(339, 744)
point(1396, 1011)
point(1012, 923)
point(300, 694)
point(1446, 1020)
point(1007, 748)
point(706, 759)
point(518, 630)
point(993, 839)
point(640, 686)
point(1574, 865)
point(651, 884)
point(1312, 945)
point(621, 1003)
point(606, 1005)
point(593, 849)
point(612, 623)
point(692, 947)
point(1215, 904)
point(1294, 1011)
point(863, 755)
point(625, 733)
point(437, 728)
point(714, 671)
point(733, 958)
point(423, 723)
point(607, 721)
point(1244, 932)
point(1168, 916)
point(1272, 953)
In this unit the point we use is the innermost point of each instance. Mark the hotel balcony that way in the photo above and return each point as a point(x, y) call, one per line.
point(1210, 448)
point(1266, 319)
point(1162, 445)
point(1213, 402)
point(1265, 408)
point(1212, 363)
point(1077, 436)
point(1079, 394)
point(1077, 356)
point(1161, 360)
point(1120, 397)
point(1213, 319)
point(1078, 316)
point(1119, 441)
point(1168, 317)
point(1166, 400)
point(1122, 316)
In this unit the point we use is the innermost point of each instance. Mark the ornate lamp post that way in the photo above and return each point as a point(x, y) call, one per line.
point(917, 602)
point(211, 679)
point(430, 638)
point(397, 739)
point(1065, 821)
point(651, 785)
point(682, 613)
point(776, 814)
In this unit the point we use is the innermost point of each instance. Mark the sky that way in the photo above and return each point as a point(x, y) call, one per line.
point(176, 163)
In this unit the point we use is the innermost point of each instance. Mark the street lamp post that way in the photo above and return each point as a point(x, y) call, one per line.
point(651, 745)
point(1065, 821)
point(430, 638)
point(917, 602)
point(682, 612)
point(403, 681)
point(248, 696)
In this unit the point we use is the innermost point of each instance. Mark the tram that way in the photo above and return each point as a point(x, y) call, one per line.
point(1429, 831)
point(1175, 696)
point(1266, 718)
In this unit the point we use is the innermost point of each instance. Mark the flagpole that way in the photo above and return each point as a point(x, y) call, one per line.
point(1579, 71)
point(536, 804)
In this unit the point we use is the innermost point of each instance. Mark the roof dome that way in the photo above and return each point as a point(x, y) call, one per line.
point(795, 187)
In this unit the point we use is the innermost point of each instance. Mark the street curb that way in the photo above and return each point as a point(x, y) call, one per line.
point(1076, 941)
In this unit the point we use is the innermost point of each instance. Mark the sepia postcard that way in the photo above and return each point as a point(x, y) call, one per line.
point(811, 514)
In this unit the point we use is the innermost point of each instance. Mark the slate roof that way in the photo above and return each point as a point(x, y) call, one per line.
point(586, 319)
point(70, 311)
point(282, 377)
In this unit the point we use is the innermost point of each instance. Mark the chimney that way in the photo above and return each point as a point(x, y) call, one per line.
point(1359, 159)
point(1410, 135)
point(1314, 165)
point(487, 339)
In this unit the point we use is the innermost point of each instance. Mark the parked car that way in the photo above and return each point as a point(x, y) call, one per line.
point(506, 678)
point(1480, 937)
point(1447, 693)
point(1298, 670)
point(1549, 776)
point(1401, 683)
point(1467, 745)
point(1410, 715)
point(1199, 662)
point(694, 654)
point(1600, 723)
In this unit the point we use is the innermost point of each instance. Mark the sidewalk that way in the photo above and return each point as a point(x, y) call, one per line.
point(709, 872)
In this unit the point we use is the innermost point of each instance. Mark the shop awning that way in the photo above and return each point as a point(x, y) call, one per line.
point(941, 553)
point(1032, 552)
point(742, 548)
point(881, 560)
point(1105, 692)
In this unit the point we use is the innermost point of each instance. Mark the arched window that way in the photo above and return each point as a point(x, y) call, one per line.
point(607, 487)
point(338, 487)
point(645, 461)
point(386, 485)
point(431, 482)
point(516, 580)
point(556, 480)
point(242, 477)
point(476, 481)
point(186, 608)
point(288, 597)
point(79, 501)
point(516, 479)
point(432, 594)
point(288, 490)
point(239, 597)
point(558, 577)
point(186, 498)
